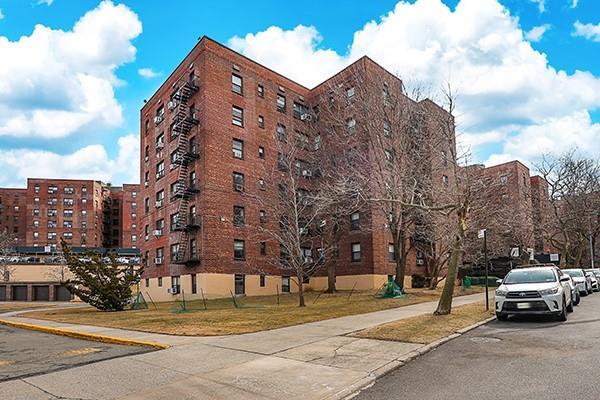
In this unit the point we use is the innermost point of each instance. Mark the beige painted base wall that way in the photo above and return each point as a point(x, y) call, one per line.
point(222, 285)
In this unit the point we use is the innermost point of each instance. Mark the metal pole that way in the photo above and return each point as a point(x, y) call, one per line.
point(592, 250)
point(485, 258)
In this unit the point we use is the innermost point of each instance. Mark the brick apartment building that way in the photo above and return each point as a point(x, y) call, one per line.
point(517, 204)
point(207, 140)
point(85, 213)
point(13, 213)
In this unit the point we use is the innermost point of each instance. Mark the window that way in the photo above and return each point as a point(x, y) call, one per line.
point(67, 224)
point(238, 215)
point(160, 197)
point(174, 221)
point(281, 132)
point(68, 235)
point(237, 116)
point(350, 126)
point(193, 254)
point(350, 93)
point(147, 282)
point(263, 248)
point(355, 221)
point(146, 205)
point(36, 212)
point(36, 188)
point(51, 235)
point(261, 183)
point(261, 152)
point(52, 213)
point(36, 234)
point(260, 90)
point(36, 200)
point(280, 103)
point(261, 121)
point(387, 129)
point(504, 179)
point(159, 281)
point(282, 162)
point(262, 216)
point(445, 179)
point(239, 250)
point(146, 178)
point(52, 189)
point(68, 202)
point(36, 223)
point(194, 283)
point(147, 232)
point(262, 280)
point(84, 213)
point(299, 110)
point(444, 157)
point(69, 190)
point(174, 251)
point(391, 252)
point(355, 252)
point(302, 140)
point(238, 182)
point(160, 170)
point(302, 168)
point(318, 142)
point(52, 201)
point(236, 84)
point(238, 149)
point(285, 284)
point(389, 156)
point(84, 201)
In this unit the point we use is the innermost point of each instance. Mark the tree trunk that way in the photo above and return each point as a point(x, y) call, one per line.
point(445, 304)
point(301, 302)
point(399, 249)
point(331, 278)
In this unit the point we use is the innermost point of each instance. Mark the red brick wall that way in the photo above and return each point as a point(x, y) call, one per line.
point(13, 210)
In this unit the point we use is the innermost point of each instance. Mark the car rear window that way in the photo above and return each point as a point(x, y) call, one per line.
point(530, 276)
point(574, 273)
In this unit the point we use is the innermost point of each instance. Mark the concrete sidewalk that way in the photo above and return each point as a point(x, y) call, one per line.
point(310, 361)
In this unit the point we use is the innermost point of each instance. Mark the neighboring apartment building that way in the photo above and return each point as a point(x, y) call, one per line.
point(207, 140)
point(540, 203)
point(13, 211)
point(80, 211)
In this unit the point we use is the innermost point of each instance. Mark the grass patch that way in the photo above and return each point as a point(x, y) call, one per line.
point(254, 313)
point(9, 306)
point(428, 328)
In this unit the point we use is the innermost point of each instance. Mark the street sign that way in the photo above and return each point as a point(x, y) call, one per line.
point(530, 251)
point(514, 252)
point(554, 257)
point(481, 234)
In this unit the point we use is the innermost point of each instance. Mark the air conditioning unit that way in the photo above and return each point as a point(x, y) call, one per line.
point(160, 145)
point(146, 184)
point(322, 223)
point(239, 187)
point(159, 203)
point(173, 290)
point(172, 104)
point(306, 117)
point(158, 260)
point(307, 173)
point(158, 119)
point(157, 232)
point(420, 261)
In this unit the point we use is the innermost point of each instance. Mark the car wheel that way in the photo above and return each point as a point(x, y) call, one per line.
point(570, 306)
point(577, 299)
point(563, 312)
point(501, 316)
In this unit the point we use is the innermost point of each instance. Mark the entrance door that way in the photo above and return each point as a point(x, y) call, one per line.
point(240, 284)
point(2, 293)
point(63, 294)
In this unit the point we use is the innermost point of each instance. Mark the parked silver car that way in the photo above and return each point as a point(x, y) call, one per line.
point(538, 290)
point(594, 278)
point(583, 283)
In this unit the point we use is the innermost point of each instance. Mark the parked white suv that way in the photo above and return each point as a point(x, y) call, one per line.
point(538, 290)
point(583, 283)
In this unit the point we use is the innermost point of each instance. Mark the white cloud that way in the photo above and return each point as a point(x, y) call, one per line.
point(54, 83)
point(588, 31)
point(504, 85)
point(574, 3)
point(148, 73)
point(89, 162)
point(536, 33)
point(1, 14)
point(541, 5)
point(293, 52)
point(46, 2)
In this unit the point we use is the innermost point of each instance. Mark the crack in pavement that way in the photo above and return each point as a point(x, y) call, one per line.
point(54, 396)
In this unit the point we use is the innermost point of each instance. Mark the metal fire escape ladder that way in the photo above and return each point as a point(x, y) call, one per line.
point(184, 119)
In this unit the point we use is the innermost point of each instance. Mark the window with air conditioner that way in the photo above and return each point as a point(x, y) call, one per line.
point(238, 149)
point(280, 103)
point(238, 182)
point(238, 215)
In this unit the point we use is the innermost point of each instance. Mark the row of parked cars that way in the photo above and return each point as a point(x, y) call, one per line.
point(544, 289)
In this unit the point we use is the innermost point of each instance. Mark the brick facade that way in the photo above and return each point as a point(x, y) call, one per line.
point(207, 81)
point(13, 211)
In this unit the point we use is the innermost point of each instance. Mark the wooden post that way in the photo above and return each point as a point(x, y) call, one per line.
point(203, 299)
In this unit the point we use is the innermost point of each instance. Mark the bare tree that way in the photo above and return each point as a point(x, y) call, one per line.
point(6, 250)
point(574, 196)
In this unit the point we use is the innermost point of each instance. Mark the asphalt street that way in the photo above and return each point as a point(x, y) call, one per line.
point(524, 358)
point(25, 353)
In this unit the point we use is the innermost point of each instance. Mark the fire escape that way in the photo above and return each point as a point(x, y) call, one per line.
point(186, 186)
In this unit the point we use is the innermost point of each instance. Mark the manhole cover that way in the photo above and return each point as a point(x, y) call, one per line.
point(481, 339)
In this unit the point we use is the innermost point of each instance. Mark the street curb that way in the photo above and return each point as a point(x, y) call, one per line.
point(85, 336)
point(402, 361)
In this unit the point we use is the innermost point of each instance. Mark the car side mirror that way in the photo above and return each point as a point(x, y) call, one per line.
point(564, 279)
point(499, 281)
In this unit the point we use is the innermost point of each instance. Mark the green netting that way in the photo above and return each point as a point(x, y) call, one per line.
point(391, 290)
point(139, 302)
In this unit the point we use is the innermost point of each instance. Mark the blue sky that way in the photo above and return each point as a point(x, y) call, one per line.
point(514, 103)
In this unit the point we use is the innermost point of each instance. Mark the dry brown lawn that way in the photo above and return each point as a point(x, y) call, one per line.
point(428, 328)
point(254, 313)
point(18, 306)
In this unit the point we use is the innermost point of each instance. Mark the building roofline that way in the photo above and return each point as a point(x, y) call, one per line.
point(506, 163)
